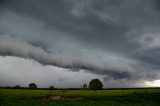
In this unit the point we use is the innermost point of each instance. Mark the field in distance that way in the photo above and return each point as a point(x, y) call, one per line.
point(129, 97)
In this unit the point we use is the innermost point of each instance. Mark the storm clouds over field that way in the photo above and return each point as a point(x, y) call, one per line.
point(68, 42)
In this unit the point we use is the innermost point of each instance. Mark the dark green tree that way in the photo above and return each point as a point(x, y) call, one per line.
point(17, 86)
point(32, 86)
point(51, 87)
point(84, 86)
point(95, 84)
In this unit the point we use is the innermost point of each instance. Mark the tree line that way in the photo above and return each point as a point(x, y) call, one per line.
point(94, 84)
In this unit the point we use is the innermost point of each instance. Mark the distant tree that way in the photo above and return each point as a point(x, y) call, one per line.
point(8, 87)
point(32, 86)
point(84, 86)
point(17, 86)
point(51, 87)
point(95, 84)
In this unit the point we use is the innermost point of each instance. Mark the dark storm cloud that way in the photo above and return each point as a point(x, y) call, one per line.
point(111, 74)
point(2, 2)
point(115, 38)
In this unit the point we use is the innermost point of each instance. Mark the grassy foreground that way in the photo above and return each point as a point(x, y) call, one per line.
point(130, 97)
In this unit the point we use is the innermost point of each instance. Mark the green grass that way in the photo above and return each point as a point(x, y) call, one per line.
point(131, 97)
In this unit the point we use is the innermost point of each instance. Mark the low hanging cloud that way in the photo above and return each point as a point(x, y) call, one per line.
point(15, 47)
point(111, 65)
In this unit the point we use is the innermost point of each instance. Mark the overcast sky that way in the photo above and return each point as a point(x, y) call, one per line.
point(66, 43)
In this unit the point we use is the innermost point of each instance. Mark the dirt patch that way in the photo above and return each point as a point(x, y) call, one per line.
point(58, 97)
point(53, 97)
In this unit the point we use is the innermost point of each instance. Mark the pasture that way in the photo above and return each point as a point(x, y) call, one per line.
point(128, 97)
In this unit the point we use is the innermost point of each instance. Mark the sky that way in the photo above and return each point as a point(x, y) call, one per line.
point(66, 43)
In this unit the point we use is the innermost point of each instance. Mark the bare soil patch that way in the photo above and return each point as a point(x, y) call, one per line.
point(58, 97)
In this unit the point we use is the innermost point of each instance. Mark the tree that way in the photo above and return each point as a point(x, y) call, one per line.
point(84, 86)
point(51, 87)
point(17, 86)
point(32, 86)
point(95, 84)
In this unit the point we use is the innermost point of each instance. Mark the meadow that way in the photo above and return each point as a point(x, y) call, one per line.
point(128, 97)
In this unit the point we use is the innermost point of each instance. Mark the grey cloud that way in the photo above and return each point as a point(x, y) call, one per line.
point(111, 65)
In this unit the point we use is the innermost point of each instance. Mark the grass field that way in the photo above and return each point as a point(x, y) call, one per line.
point(130, 97)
